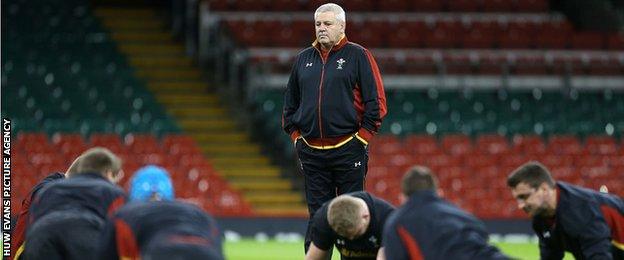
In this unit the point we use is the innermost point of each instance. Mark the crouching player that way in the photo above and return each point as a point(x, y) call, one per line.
point(67, 215)
point(428, 227)
point(154, 226)
point(352, 222)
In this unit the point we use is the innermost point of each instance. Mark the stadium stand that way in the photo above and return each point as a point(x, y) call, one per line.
point(474, 88)
point(67, 87)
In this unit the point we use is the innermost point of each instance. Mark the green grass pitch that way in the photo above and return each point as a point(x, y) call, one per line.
point(249, 249)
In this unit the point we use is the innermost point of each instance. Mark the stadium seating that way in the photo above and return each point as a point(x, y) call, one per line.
point(471, 178)
point(71, 70)
point(194, 179)
point(67, 87)
point(387, 6)
point(437, 34)
point(473, 139)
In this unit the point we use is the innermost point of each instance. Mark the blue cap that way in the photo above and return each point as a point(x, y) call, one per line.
point(151, 181)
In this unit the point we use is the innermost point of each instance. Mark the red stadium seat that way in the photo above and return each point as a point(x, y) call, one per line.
point(444, 35)
point(616, 161)
point(289, 36)
point(424, 64)
point(565, 173)
point(443, 161)
point(219, 5)
point(518, 35)
point(357, 5)
point(565, 145)
point(529, 65)
point(492, 144)
point(426, 5)
point(591, 161)
point(537, 6)
point(463, 5)
point(601, 145)
point(502, 6)
point(110, 141)
point(615, 41)
point(367, 33)
point(513, 160)
point(491, 65)
point(408, 34)
point(480, 35)
point(142, 143)
point(556, 160)
point(457, 144)
point(553, 35)
point(251, 5)
point(39, 138)
point(588, 40)
point(480, 160)
point(460, 64)
point(394, 5)
point(422, 144)
point(605, 66)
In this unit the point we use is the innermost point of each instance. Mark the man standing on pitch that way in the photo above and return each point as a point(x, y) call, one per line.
point(586, 223)
point(333, 105)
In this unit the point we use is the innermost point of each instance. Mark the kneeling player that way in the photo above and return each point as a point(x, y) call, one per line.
point(68, 215)
point(428, 227)
point(353, 222)
point(159, 229)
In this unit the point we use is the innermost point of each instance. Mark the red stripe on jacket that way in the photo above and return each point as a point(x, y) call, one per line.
point(410, 243)
point(615, 220)
point(126, 242)
point(381, 96)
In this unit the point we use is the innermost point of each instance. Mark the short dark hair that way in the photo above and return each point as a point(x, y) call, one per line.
point(532, 173)
point(418, 178)
point(98, 160)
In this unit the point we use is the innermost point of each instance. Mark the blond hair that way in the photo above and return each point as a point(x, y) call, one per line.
point(344, 214)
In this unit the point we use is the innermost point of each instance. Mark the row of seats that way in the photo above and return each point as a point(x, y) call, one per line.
point(472, 112)
point(494, 144)
point(447, 34)
point(386, 6)
point(61, 72)
point(433, 62)
point(472, 171)
point(194, 179)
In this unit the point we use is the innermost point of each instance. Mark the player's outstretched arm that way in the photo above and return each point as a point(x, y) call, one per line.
point(315, 253)
point(381, 255)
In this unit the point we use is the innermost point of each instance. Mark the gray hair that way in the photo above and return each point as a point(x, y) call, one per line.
point(334, 8)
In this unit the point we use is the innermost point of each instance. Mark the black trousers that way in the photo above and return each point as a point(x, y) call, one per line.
point(64, 235)
point(332, 172)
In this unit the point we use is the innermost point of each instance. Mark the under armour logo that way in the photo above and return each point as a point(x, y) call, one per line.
point(546, 234)
point(309, 64)
point(340, 62)
point(373, 240)
point(357, 164)
point(340, 242)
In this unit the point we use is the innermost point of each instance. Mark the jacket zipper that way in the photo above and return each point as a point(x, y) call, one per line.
point(321, 90)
